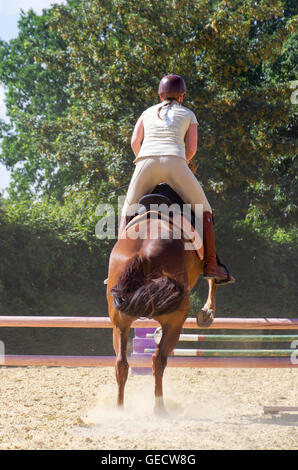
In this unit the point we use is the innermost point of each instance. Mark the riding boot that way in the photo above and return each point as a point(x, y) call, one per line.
point(211, 268)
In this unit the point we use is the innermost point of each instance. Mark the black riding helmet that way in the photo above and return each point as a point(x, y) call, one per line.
point(171, 86)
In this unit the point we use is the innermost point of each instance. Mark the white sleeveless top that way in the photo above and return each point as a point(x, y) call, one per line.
point(165, 136)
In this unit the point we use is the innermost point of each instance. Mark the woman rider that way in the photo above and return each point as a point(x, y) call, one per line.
point(163, 141)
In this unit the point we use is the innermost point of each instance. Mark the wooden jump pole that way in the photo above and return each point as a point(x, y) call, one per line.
point(146, 361)
point(235, 338)
point(105, 322)
point(280, 409)
point(143, 361)
point(145, 340)
point(229, 352)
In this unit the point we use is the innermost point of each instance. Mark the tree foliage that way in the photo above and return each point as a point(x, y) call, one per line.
point(36, 96)
point(79, 76)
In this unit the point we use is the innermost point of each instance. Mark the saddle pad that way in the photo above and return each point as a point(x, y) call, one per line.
point(190, 236)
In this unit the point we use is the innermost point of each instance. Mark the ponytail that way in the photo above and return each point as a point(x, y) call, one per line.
point(167, 102)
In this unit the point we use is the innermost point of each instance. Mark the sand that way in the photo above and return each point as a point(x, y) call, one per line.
point(74, 408)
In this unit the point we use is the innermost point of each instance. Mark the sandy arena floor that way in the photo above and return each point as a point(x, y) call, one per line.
point(74, 408)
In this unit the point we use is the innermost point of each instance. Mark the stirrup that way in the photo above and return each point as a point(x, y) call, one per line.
point(230, 279)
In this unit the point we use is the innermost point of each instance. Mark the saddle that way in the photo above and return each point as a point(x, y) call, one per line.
point(163, 196)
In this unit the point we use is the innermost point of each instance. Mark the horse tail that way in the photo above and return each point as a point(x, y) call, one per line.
point(141, 295)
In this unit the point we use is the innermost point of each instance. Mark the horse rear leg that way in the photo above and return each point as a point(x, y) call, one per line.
point(120, 338)
point(205, 316)
point(170, 337)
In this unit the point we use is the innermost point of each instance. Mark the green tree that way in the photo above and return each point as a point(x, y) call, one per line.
point(36, 97)
point(96, 65)
point(225, 51)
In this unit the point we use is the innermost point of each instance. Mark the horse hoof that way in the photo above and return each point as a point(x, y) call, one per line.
point(159, 408)
point(161, 412)
point(205, 318)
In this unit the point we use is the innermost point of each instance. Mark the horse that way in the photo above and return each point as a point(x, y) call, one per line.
point(152, 277)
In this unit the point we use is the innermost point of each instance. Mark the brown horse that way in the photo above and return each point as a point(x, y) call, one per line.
point(152, 277)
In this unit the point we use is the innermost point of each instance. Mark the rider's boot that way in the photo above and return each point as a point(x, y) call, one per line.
point(211, 268)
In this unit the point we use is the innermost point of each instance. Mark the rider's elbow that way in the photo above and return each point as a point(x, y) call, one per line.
point(134, 144)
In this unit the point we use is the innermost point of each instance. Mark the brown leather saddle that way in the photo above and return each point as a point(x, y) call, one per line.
point(158, 204)
point(164, 196)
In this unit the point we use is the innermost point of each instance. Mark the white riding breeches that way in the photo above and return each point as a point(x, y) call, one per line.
point(150, 171)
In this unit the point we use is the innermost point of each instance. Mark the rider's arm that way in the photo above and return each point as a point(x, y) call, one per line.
point(191, 141)
point(137, 137)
